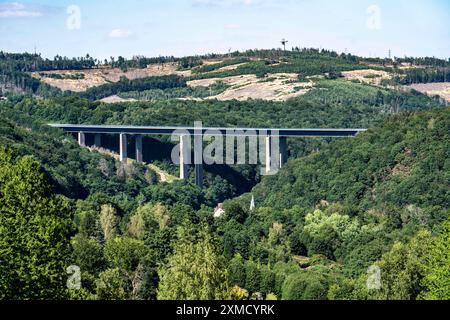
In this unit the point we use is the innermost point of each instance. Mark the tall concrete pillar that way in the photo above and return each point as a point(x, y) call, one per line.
point(139, 156)
point(267, 154)
point(82, 139)
point(283, 151)
point(98, 140)
point(185, 151)
point(199, 175)
point(123, 148)
point(272, 154)
point(198, 160)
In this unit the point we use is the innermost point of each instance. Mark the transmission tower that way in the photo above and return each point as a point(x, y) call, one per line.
point(283, 42)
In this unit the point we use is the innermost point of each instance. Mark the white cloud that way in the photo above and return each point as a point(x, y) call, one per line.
point(120, 33)
point(18, 10)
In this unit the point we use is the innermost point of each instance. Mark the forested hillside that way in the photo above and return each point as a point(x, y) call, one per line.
point(337, 208)
point(394, 165)
point(374, 200)
point(35, 226)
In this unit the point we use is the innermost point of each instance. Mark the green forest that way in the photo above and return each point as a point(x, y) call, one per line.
point(338, 209)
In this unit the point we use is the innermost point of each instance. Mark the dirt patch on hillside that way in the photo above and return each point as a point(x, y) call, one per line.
point(275, 87)
point(369, 76)
point(441, 89)
point(206, 62)
point(115, 99)
point(163, 175)
point(91, 78)
point(234, 81)
point(231, 67)
point(400, 170)
point(96, 77)
point(227, 68)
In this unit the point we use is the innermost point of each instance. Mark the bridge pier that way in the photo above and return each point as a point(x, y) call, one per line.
point(267, 154)
point(123, 148)
point(185, 151)
point(139, 155)
point(82, 139)
point(198, 160)
point(283, 151)
point(98, 140)
point(199, 175)
point(275, 153)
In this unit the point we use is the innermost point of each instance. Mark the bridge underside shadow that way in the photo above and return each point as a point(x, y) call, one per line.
point(158, 149)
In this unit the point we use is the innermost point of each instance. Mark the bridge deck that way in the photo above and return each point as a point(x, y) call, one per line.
point(282, 132)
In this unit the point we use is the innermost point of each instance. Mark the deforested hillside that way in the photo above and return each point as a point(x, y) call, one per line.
point(273, 75)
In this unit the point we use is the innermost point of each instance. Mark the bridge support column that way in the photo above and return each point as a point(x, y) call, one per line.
point(123, 148)
point(185, 151)
point(98, 140)
point(139, 155)
point(199, 175)
point(283, 151)
point(198, 160)
point(82, 139)
point(272, 154)
point(267, 153)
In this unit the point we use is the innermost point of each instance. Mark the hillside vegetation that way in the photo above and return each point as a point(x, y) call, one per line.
point(339, 210)
point(354, 204)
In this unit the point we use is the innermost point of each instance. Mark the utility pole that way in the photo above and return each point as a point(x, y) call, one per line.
point(283, 42)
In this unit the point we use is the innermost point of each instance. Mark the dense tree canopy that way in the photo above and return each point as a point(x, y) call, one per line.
point(35, 225)
point(195, 270)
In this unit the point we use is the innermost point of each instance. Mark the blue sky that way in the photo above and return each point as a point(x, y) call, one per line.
point(105, 28)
